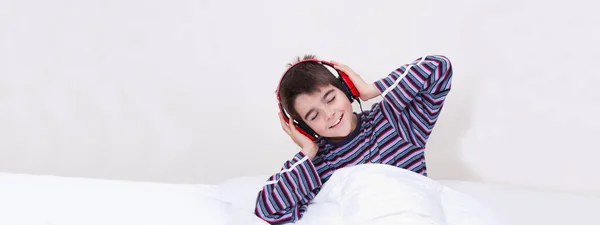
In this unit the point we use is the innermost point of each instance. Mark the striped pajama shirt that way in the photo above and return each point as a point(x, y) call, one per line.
point(394, 131)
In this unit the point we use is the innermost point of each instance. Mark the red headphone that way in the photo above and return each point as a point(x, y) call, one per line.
point(347, 87)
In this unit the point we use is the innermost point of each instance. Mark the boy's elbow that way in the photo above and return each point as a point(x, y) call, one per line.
point(444, 63)
point(264, 214)
point(443, 66)
point(269, 215)
point(272, 218)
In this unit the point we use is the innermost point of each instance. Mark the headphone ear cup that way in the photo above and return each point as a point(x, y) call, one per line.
point(348, 85)
point(346, 89)
point(282, 111)
point(301, 127)
point(307, 131)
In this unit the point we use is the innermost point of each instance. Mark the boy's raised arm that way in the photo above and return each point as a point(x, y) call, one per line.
point(414, 95)
point(285, 196)
point(430, 76)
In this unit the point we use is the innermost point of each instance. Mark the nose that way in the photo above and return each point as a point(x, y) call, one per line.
point(329, 112)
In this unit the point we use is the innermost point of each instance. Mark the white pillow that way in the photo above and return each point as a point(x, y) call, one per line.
point(377, 194)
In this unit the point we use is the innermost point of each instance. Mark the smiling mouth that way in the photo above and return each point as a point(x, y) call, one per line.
point(337, 122)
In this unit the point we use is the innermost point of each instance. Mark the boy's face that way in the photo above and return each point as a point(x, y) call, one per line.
point(327, 111)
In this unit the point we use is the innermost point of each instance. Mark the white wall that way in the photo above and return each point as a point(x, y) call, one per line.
point(184, 91)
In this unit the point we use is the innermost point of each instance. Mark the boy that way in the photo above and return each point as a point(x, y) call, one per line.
point(394, 131)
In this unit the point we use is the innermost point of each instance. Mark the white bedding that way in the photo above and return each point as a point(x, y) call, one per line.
point(367, 194)
point(372, 194)
point(527, 206)
point(49, 200)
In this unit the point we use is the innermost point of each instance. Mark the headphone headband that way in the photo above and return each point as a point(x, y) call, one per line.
point(295, 64)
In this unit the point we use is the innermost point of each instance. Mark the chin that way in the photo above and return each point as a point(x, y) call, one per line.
point(341, 133)
point(343, 130)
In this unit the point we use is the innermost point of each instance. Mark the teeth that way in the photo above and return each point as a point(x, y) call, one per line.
point(336, 122)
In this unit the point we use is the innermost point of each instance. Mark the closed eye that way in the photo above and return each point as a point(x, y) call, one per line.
point(314, 117)
point(331, 100)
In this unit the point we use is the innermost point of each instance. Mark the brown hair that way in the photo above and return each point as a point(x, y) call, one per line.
point(303, 78)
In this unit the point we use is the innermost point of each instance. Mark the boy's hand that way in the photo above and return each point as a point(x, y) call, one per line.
point(365, 90)
point(309, 148)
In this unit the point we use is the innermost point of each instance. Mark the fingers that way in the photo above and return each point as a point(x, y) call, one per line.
point(284, 126)
point(337, 64)
point(342, 67)
point(291, 125)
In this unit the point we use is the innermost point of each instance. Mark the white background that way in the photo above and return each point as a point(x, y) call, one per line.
point(183, 91)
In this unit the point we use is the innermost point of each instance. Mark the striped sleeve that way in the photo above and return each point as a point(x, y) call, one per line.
point(285, 196)
point(415, 94)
